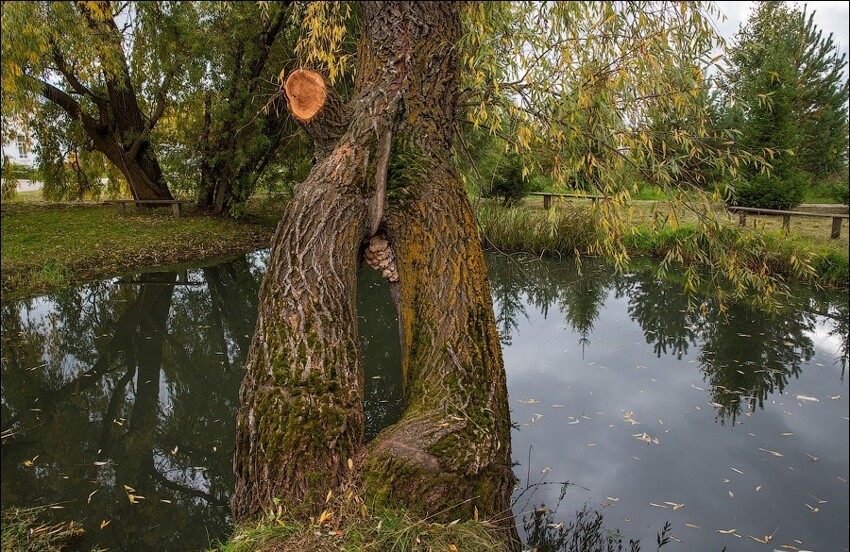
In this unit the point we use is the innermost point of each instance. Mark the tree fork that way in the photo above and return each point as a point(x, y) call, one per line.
point(301, 415)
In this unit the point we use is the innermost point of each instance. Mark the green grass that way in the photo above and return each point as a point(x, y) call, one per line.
point(390, 531)
point(571, 228)
point(349, 523)
point(383, 531)
point(557, 231)
point(23, 531)
point(48, 246)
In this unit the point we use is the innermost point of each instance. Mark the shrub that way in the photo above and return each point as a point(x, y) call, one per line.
point(509, 182)
point(770, 192)
point(838, 187)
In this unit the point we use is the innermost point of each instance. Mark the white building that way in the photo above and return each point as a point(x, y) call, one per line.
point(20, 150)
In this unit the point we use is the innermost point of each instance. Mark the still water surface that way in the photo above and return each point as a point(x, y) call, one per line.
point(625, 402)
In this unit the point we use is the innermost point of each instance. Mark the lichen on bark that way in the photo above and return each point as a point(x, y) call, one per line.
point(301, 415)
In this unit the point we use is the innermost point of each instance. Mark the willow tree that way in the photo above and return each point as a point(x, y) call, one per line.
point(110, 68)
point(385, 188)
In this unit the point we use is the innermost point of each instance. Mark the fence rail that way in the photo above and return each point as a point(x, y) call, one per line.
point(786, 217)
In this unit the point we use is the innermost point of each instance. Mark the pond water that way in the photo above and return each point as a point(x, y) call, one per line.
point(119, 400)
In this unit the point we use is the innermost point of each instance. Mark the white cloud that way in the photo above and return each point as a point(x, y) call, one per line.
point(831, 17)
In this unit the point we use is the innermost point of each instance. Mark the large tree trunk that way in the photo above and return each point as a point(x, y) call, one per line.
point(384, 179)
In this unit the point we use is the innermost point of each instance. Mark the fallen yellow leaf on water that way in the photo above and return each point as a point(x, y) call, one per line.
point(129, 489)
point(726, 531)
point(657, 505)
point(765, 540)
point(692, 526)
point(771, 452)
point(805, 398)
point(758, 488)
point(104, 523)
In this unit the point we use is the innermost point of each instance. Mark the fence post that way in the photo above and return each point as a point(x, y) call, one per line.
point(786, 223)
point(742, 218)
point(836, 228)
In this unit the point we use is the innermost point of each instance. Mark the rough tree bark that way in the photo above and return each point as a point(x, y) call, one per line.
point(384, 187)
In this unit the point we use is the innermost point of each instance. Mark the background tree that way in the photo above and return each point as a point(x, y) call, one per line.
point(789, 82)
point(171, 95)
point(232, 142)
point(109, 66)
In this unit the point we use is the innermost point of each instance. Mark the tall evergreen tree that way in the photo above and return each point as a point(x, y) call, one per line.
point(822, 94)
point(789, 82)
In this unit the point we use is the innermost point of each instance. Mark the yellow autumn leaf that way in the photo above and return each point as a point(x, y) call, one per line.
point(326, 515)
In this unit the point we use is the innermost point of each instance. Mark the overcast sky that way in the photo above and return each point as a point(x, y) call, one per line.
point(832, 17)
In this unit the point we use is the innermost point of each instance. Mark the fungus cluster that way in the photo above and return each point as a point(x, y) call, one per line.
point(379, 255)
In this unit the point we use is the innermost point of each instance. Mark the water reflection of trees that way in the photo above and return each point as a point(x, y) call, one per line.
point(129, 384)
point(522, 280)
point(584, 530)
point(745, 354)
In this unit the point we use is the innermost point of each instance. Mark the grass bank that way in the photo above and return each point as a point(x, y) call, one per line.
point(380, 532)
point(49, 246)
point(571, 229)
point(24, 531)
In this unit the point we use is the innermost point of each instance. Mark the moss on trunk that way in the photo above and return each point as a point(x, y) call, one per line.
point(301, 416)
